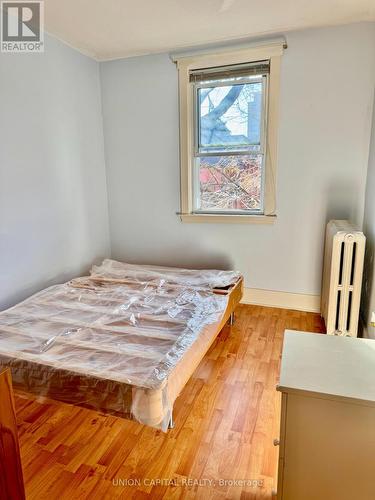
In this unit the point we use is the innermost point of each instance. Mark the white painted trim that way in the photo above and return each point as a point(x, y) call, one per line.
point(228, 47)
point(233, 55)
point(272, 137)
point(219, 219)
point(272, 53)
point(284, 300)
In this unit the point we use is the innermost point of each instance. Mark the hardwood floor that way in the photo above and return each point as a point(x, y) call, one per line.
point(225, 422)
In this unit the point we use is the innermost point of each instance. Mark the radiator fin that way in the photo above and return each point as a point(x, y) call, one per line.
point(342, 249)
point(338, 309)
point(353, 264)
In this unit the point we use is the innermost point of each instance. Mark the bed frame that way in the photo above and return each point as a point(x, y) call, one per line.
point(104, 392)
point(234, 293)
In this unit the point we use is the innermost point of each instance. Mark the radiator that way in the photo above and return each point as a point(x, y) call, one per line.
point(342, 277)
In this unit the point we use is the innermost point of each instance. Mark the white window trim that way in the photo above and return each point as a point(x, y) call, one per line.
point(273, 53)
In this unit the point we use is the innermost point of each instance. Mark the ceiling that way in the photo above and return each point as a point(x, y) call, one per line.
point(111, 29)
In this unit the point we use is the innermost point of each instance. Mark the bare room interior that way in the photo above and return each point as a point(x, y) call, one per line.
point(187, 238)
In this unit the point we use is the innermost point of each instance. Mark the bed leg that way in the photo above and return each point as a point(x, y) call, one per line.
point(171, 422)
point(231, 319)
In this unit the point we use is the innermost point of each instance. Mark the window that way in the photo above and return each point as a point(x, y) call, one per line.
point(229, 106)
point(228, 140)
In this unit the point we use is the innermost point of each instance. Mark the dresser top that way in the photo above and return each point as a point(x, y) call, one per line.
point(328, 366)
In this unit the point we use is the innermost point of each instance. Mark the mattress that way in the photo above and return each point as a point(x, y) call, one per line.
point(197, 278)
point(123, 340)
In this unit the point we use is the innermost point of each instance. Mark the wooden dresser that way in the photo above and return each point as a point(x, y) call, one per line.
point(327, 435)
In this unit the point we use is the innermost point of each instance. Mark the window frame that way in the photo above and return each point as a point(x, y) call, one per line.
point(187, 63)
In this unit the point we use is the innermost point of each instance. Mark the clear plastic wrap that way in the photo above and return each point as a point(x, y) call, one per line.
point(202, 278)
point(115, 347)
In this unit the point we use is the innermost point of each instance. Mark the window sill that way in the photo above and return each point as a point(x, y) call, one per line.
point(231, 219)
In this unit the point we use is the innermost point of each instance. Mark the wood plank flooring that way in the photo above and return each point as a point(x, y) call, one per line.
point(222, 444)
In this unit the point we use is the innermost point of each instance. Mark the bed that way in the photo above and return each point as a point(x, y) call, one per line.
point(124, 340)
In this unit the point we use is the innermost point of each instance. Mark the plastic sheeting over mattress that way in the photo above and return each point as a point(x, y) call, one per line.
point(112, 346)
point(202, 278)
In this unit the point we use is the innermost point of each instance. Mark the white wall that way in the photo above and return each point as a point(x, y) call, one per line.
point(368, 302)
point(326, 103)
point(53, 201)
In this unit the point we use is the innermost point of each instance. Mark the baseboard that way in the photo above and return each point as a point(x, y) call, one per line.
point(284, 300)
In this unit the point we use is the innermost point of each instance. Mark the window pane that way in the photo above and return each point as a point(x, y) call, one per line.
point(229, 183)
point(230, 117)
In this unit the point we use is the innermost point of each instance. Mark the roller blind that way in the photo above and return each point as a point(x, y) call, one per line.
point(232, 71)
